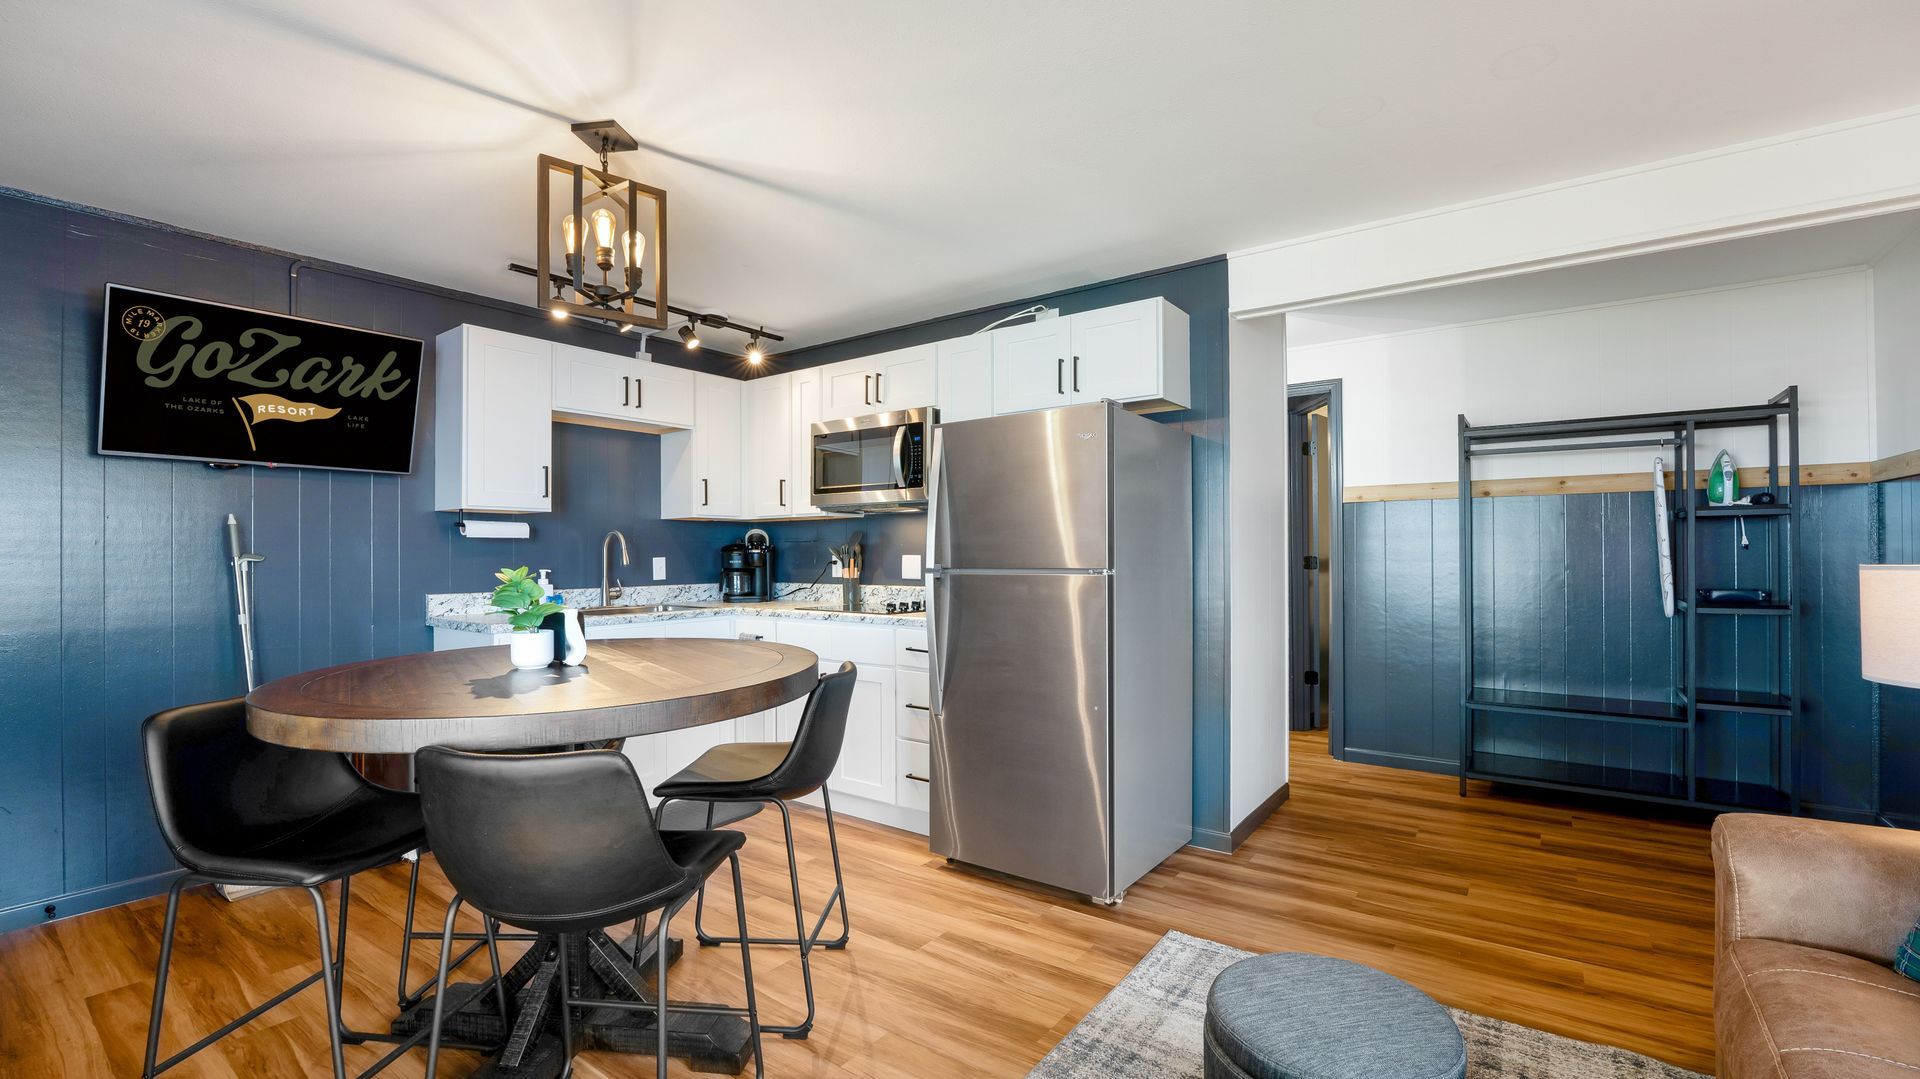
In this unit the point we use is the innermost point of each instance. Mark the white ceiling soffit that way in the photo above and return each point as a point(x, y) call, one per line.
point(843, 166)
point(1797, 252)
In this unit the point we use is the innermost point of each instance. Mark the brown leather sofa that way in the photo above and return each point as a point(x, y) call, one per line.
point(1808, 914)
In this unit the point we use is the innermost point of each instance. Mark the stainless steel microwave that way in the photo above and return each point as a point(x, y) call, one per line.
point(872, 464)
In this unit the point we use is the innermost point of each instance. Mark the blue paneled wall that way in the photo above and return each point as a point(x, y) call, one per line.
point(1567, 602)
point(118, 567)
point(1899, 707)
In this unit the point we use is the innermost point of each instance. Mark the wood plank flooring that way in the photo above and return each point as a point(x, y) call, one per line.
point(1583, 919)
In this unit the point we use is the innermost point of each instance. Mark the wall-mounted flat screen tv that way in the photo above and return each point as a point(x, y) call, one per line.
point(205, 381)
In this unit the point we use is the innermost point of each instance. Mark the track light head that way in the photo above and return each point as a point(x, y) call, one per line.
point(756, 355)
point(689, 337)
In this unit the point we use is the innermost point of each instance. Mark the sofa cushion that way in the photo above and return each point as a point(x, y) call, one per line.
point(1785, 1010)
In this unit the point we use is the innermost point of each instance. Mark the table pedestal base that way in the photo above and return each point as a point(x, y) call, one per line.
point(602, 968)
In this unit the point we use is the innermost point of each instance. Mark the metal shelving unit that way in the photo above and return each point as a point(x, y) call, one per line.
point(1681, 712)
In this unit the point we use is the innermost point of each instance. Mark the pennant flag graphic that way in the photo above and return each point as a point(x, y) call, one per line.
point(259, 407)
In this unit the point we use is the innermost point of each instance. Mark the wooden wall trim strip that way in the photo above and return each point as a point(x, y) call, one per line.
point(1897, 467)
point(1810, 475)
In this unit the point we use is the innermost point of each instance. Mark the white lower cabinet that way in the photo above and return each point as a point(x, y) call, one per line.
point(888, 721)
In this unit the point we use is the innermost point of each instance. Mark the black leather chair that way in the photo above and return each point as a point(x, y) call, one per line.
point(775, 773)
point(238, 811)
point(564, 843)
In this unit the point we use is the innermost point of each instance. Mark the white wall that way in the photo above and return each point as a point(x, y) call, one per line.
point(1896, 348)
point(1257, 668)
point(1402, 391)
point(1842, 171)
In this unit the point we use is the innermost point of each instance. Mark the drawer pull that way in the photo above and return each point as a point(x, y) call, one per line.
point(919, 779)
point(919, 708)
point(911, 648)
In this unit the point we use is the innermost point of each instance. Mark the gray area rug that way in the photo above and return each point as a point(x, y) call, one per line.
point(1150, 1025)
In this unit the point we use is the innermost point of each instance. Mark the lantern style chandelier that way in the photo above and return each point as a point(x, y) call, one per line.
point(603, 236)
point(611, 234)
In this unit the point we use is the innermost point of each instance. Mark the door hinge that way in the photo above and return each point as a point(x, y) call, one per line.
point(1311, 678)
point(1311, 561)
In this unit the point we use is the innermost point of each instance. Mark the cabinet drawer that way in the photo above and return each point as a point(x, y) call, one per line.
point(866, 646)
point(910, 649)
point(915, 780)
point(916, 696)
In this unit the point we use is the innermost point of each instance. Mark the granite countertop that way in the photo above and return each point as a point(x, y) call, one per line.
point(469, 611)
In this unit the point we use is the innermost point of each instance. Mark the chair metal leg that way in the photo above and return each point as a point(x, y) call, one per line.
point(160, 976)
point(700, 897)
point(499, 986)
point(839, 882)
point(746, 968)
point(660, 992)
point(440, 989)
point(406, 933)
point(566, 1009)
point(798, 1030)
point(328, 972)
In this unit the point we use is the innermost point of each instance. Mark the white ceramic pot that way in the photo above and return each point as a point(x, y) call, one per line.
point(530, 651)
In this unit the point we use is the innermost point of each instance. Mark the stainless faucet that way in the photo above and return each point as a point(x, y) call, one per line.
point(609, 584)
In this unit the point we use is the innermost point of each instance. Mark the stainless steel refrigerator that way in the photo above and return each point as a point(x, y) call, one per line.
point(1060, 610)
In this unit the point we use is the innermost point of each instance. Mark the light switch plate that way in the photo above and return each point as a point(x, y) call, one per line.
point(659, 569)
point(910, 567)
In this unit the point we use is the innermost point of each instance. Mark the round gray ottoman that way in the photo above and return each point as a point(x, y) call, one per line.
point(1291, 1016)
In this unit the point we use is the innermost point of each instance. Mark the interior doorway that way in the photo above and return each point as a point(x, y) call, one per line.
point(1314, 559)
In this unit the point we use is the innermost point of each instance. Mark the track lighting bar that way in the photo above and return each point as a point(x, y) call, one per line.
point(703, 319)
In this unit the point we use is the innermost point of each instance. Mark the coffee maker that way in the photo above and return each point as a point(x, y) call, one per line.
point(746, 569)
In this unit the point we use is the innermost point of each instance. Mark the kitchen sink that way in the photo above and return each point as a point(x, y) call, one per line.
point(640, 608)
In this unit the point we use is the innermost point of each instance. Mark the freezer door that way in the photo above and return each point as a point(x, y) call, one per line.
point(1027, 491)
point(1020, 730)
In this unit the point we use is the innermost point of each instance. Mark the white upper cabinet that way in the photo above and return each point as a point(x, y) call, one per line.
point(493, 422)
point(846, 390)
point(905, 378)
point(767, 409)
point(700, 469)
point(804, 395)
point(888, 382)
point(662, 395)
point(1136, 353)
point(591, 383)
point(1030, 366)
point(633, 392)
point(966, 378)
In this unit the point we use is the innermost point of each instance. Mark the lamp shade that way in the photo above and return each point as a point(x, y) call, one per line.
point(1890, 625)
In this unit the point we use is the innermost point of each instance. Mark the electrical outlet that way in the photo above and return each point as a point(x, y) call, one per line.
point(910, 567)
point(659, 569)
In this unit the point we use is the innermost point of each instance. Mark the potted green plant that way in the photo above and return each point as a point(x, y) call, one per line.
point(521, 597)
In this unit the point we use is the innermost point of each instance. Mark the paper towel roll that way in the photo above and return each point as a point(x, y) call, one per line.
point(495, 529)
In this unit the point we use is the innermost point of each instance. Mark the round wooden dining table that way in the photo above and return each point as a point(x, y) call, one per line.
point(473, 698)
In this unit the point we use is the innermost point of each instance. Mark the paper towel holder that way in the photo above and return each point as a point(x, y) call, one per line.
point(495, 529)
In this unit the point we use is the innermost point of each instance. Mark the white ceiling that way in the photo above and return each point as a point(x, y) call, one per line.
point(841, 166)
point(1815, 249)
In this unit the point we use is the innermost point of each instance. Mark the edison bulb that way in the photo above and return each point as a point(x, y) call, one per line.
point(571, 229)
point(603, 224)
point(633, 246)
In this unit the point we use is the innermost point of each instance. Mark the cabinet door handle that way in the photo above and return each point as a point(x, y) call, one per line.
point(919, 707)
point(866, 388)
point(1060, 377)
point(878, 397)
point(625, 390)
point(639, 393)
point(911, 648)
point(918, 779)
point(783, 492)
point(703, 492)
point(546, 481)
point(1076, 374)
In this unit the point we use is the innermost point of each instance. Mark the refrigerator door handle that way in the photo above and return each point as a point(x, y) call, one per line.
point(933, 570)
